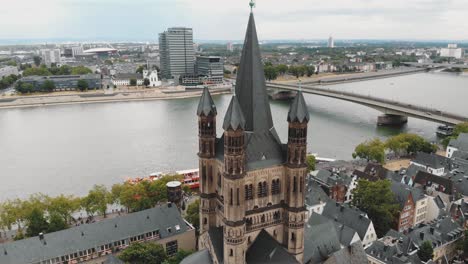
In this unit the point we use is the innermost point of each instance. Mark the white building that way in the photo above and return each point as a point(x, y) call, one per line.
point(452, 51)
point(77, 51)
point(460, 143)
point(152, 76)
point(8, 70)
point(50, 56)
point(331, 42)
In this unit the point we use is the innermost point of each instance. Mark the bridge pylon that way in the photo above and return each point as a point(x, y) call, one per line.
point(392, 120)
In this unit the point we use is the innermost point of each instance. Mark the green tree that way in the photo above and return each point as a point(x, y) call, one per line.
point(97, 200)
point(140, 69)
point(146, 82)
point(142, 253)
point(63, 206)
point(37, 60)
point(406, 143)
point(376, 199)
point(270, 73)
point(80, 70)
point(36, 223)
point(193, 214)
point(133, 82)
point(426, 251)
point(56, 223)
point(24, 87)
point(39, 71)
point(64, 70)
point(11, 63)
point(373, 150)
point(48, 86)
point(310, 162)
point(310, 71)
point(282, 69)
point(82, 85)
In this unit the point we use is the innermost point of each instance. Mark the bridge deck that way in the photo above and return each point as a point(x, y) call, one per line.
point(383, 105)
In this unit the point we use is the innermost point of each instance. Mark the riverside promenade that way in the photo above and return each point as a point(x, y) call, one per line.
point(103, 97)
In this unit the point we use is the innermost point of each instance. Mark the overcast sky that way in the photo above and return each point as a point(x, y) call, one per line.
point(227, 19)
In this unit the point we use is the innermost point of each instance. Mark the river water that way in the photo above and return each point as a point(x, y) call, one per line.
point(69, 148)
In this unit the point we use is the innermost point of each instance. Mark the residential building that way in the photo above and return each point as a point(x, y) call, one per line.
point(123, 79)
point(336, 184)
point(345, 234)
point(352, 218)
point(452, 51)
point(412, 205)
point(50, 56)
point(92, 243)
point(64, 82)
point(460, 143)
point(8, 70)
point(459, 212)
point(353, 254)
point(434, 185)
point(177, 54)
point(432, 163)
point(211, 67)
point(252, 187)
point(393, 248)
point(316, 198)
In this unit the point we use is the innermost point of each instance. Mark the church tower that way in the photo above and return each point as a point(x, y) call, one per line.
point(206, 152)
point(252, 185)
point(296, 172)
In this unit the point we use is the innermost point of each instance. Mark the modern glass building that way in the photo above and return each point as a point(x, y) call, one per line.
point(176, 52)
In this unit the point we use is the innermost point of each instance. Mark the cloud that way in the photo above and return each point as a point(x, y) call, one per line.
point(226, 19)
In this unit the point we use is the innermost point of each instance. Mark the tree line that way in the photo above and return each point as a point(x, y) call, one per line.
point(54, 70)
point(402, 144)
point(273, 71)
point(6, 81)
point(43, 213)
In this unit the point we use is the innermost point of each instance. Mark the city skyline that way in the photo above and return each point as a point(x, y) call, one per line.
point(143, 19)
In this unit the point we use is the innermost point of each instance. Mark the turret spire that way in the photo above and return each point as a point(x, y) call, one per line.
point(206, 105)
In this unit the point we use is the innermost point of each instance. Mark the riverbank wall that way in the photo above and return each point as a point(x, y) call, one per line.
point(85, 98)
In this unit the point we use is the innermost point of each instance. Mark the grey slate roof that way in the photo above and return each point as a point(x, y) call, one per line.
point(93, 235)
point(353, 254)
point(402, 191)
point(438, 232)
point(460, 181)
point(461, 143)
point(266, 249)
point(441, 184)
point(217, 240)
point(320, 243)
point(315, 194)
point(250, 83)
point(298, 111)
point(344, 233)
point(199, 257)
point(206, 105)
point(263, 146)
point(350, 217)
point(432, 160)
point(234, 118)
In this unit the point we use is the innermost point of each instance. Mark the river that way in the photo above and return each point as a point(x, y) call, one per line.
point(69, 148)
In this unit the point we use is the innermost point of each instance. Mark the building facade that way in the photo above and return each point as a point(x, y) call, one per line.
point(251, 183)
point(211, 67)
point(64, 82)
point(50, 56)
point(93, 243)
point(177, 54)
point(452, 51)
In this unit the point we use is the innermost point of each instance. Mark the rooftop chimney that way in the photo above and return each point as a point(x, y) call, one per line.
point(431, 230)
point(41, 236)
point(421, 235)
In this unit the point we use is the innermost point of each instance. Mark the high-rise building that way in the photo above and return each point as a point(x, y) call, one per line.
point(452, 51)
point(252, 185)
point(177, 53)
point(331, 42)
point(50, 56)
point(230, 47)
point(211, 67)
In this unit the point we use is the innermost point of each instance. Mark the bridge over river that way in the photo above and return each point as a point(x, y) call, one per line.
point(394, 113)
